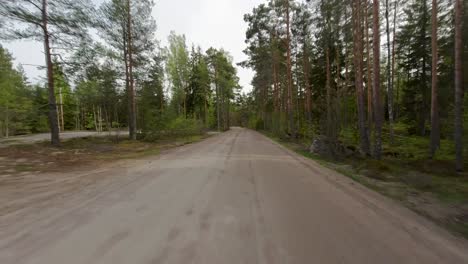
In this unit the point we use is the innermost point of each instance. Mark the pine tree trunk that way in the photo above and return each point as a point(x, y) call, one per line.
point(395, 115)
point(308, 90)
point(108, 122)
point(424, 111)
point(435, 123)
point(100, 119)
point(292, 128)
point(132, 103)
point(218, 102)
point(228, 115)
point(62, 122)
point(96, 127)
point(329, 94)
point(369, 70)
point(389, 74)
point(337, 101)
point(7, 122)
point(345, 90)
point(458, 85)
point(378, 113)
point(363, 131)
point(53, 121)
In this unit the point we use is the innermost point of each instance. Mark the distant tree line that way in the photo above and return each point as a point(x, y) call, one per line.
point(106, 71)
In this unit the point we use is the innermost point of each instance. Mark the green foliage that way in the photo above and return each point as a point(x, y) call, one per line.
point(37, 118)
point(178, 70)
point(323, 96)
point(15, 98)
point(178, 127)
point(67, 20)
point(153, 101)
point(199, 92)
point(185, 127)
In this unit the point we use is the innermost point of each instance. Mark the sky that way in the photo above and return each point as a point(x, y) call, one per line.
point(208, 23)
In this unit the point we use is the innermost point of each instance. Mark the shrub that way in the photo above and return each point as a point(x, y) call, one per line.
point(185, 127)
point(178, 127)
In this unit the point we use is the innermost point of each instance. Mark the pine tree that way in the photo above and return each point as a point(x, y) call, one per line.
point(459, 85)
point(378, 113)
point(435, 126)
point(128, 28)
point(357, 28)
point(56, 23)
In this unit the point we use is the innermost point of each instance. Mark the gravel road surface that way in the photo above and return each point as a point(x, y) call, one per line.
point(234, 198)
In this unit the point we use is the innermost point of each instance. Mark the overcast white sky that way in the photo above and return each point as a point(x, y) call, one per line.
point(209, 23)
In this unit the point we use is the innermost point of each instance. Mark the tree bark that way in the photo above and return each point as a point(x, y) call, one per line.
point(395, 115)
point(435, 122)
point(218, 102)
point(132, 103)
point(7, 122)
point(53, 121)
point(62, 122)
point(425, 108)
point(458, 85)
point(369, 69)
point(389, 73)
point(378, 113)
point(292, 128)
point(308, 90)
point(338, 100)
point(363, 131)
point(96, 127)
point(330, 132)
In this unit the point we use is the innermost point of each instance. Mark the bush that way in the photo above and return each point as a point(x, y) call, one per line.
point(185, 127)
point(179, 127)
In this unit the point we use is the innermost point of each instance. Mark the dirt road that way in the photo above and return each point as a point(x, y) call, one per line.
point(233, 198)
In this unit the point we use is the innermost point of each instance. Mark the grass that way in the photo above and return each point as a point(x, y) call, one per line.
point(81, 152)
point(406, 174)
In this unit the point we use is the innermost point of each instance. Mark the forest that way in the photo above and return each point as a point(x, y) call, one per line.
point(107, 71)
point(363, 76)
point(382, 77)
point(233, 131)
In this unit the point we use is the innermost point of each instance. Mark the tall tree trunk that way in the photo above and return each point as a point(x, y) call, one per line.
point(345, 90)
point(389, 73)
point(458, 85)
point(424, 109)
point(62, 122)
point(337, 101)
point(127, 74)
point(205, 109)
point(228, 114)
point(7, 122)
point(363, 131)
point(435, 122)
point(308, 90)
point(108, 122)
point(394, 58)
point(292, 128)
point(369, 69)
point(378, 113)
point(53, 121)
point(218, 100)
point(330, 133)
point(96, 126)
point(132, 103)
